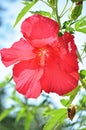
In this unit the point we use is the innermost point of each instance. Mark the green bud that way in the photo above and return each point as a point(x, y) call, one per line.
point(76, 10)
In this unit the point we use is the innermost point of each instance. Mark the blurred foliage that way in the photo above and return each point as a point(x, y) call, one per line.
point(23, 114)
point(17, 112)
point(81, 25)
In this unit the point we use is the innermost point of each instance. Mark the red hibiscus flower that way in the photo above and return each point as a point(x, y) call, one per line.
point(42, 59)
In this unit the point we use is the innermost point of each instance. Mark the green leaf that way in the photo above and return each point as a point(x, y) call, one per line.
point(82, 128)
point(82, 74)
point(44, 13)
point(27, 7)
point(73, 93)
point(56, 118)
point(83, 77)
point(6, 81)
point(65, 102)
point(84, 47)
point(16, 99)
point(5, 113)
point(81, 25)
point(3, 84)
point(84, 99)
point(20, 114)
point(28, 120)
point(2, 127)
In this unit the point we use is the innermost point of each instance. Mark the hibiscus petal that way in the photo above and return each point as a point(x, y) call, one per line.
point(27, 76)
point(20, 50)
point(40, 30)
point(60, 73)
point(66, 51)
point(66, 41)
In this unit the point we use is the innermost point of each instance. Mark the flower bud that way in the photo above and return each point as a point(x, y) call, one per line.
point(76, 10)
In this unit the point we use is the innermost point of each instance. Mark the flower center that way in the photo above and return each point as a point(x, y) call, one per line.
point(43, 53)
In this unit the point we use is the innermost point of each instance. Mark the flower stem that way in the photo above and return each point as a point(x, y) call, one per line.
point(62, 13)
point(57, 15)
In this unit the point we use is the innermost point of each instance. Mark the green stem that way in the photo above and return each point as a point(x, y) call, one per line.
point(57, 15)
point(64, 8)
point(83, 84)
point(82, 53)
point(61, 15)
point(45, 3)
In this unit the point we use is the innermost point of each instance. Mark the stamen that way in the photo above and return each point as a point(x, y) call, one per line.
point(43, 59)
point(43, 54)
